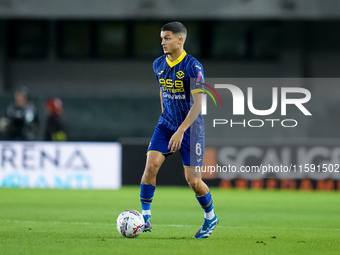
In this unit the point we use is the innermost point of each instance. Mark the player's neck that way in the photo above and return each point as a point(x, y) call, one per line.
point(175, 55)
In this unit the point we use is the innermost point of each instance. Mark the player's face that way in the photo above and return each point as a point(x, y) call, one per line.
point(171, 43)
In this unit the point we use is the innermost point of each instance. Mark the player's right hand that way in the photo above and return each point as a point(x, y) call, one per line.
point(175, 141)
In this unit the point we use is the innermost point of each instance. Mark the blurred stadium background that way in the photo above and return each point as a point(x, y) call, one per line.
point(97, 57)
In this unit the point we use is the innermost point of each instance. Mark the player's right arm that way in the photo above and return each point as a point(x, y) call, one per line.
point(161, 97)
point(155, 69)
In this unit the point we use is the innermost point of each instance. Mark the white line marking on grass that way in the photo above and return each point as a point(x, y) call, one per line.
point(171, 225)
point(56, 222)
point(244, 227)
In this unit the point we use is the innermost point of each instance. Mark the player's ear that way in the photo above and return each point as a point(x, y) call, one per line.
point(181, 39)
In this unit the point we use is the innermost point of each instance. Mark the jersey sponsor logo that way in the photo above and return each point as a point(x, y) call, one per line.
point(169, 96)
point(180, 74)
point(172, 86)
point(198, 67)
point(160, 72)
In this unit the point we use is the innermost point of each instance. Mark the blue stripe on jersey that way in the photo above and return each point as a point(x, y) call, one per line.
point(176, 83)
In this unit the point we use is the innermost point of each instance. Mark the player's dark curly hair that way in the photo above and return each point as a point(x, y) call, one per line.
point(175, 27)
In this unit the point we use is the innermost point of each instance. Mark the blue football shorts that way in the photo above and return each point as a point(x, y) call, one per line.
point(192, 147)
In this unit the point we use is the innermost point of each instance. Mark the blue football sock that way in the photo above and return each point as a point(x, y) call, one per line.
point(206, 202)
point(146, 195)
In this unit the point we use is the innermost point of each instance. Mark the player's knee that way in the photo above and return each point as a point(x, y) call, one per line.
point(152, 167)
point(194, 183)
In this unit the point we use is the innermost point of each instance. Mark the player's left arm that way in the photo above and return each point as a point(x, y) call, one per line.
point(177, 137)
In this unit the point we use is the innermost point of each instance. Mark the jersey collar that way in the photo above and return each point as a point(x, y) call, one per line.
point(178, 60)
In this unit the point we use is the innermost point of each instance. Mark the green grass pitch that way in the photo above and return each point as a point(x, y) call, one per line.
point(251, 222)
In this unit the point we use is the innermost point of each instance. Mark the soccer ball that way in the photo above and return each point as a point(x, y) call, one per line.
point(130, 223)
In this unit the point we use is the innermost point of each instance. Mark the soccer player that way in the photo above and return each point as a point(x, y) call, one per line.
point(180, 126)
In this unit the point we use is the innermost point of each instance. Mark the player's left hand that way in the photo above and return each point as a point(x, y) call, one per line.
point(175, 141)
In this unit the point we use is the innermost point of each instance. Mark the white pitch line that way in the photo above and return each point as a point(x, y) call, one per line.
point(244, 227)
point(55, 222)
point(172, 225)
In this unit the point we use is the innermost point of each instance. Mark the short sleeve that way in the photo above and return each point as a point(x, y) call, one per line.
point(196, 77)
point(154, 67)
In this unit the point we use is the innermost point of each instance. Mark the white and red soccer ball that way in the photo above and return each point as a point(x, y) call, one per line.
point(130, 223)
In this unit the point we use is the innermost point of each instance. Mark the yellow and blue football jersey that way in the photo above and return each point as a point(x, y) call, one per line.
point(179, 80)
